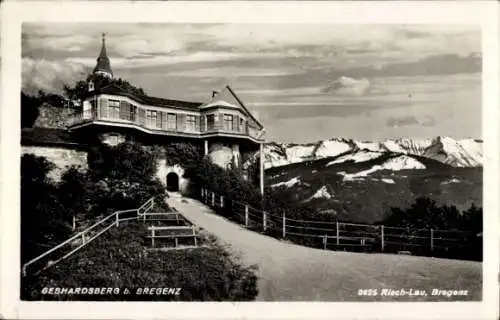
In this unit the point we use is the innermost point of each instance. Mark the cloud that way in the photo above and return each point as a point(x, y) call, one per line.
point(50, 76)
point(410, 120)
point(347, 86)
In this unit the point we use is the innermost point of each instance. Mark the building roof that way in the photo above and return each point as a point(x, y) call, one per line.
point(47, 137)
point(103, 63)
point(227, 97)
point(145, 99)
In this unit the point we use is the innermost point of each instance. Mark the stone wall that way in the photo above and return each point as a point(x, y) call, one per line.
point(163, 169)
point(62, 158)
point(53, 117)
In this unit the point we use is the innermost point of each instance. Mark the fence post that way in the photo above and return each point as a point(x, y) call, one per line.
point(83, 237)
point(337, 236)
point(153, 237)
point(382, 237)
point(222, 201)
point(117, 220)
point(432, 239)
point(325, 239)
point(284, 225)
point(264, 220)
point(213, 199)
point(246, 215)
point(74, 222)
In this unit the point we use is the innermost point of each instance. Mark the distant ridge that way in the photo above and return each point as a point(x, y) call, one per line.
point(456, 153)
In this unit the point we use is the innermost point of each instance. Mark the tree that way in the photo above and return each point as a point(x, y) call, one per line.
point(72, 193)
point(43, 219)
point(129, 160)
point(80, 89)
point(29, 110)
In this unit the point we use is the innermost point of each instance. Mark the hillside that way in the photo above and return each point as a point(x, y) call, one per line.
point(361, 186)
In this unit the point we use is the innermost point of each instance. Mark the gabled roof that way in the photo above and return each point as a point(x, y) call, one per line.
point(148, 100)
point(227, 97)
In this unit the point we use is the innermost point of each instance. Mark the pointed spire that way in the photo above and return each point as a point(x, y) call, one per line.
point(103, 53)
point(103, 65)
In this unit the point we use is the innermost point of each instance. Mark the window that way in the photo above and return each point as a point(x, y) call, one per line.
point(171, 121)
point(112, 139)
point(133, 113)
point(228, 122)
point(190, 123)
point(151, 117)
point(210, 122)
point(114, 109)
point(242, 122)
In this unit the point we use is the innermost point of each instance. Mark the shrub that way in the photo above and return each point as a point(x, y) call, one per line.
point(464, 228)
point(44, 222)
point(129, 160)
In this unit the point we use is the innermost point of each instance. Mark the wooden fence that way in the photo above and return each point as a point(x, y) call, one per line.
point(335, 235)
point(81, 239)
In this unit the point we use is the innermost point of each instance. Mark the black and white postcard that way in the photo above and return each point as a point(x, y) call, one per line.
point(195, 160)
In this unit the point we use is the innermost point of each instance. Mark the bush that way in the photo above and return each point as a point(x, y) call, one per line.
point(129, 160)
point(464, 228)
point(44, 222)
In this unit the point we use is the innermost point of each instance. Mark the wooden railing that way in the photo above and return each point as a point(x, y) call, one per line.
point(140, 121)
point(336, 235)
point(67, 248)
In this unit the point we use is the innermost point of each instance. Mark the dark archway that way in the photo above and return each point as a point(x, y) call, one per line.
point(172, 182)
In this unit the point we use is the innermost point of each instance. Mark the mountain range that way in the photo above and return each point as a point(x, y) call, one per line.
point(456, 153)
point(359, 181)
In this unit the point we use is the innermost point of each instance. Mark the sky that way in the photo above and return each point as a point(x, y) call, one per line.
point(304, 82)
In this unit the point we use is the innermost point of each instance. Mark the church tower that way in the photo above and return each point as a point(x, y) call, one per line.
point(103, 66)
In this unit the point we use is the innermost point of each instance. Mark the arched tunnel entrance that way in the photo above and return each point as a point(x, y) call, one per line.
point(172, 182)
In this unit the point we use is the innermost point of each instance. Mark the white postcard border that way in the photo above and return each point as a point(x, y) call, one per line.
point(14, 13)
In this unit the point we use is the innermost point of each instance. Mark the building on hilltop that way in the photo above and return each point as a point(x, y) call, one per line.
point(223, 126)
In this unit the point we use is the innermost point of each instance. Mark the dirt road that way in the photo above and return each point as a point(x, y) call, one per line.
point(289, 272)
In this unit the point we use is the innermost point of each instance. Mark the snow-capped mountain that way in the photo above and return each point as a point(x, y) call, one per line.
point(457, 153)
point(399, 163)
point(462, 153)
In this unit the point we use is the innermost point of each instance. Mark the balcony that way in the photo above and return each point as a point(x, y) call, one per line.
point(156, 126)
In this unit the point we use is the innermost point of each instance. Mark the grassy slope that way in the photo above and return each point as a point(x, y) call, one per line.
point(367, 200)
point(118, 259)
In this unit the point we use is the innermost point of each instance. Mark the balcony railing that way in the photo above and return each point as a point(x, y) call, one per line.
point(152, 124)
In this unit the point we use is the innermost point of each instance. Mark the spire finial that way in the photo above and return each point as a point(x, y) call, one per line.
point(103, 66)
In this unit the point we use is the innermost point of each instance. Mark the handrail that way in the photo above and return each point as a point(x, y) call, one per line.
point(81, 234)
point(252, 217)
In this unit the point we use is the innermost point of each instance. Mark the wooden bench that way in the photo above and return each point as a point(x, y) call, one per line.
point(154, 235)
point(405, 252)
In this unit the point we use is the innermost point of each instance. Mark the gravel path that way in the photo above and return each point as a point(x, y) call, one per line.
point(290, 272)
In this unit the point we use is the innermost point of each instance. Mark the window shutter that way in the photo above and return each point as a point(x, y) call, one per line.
point(124, 110)
point(142, 116)
point(197, 123)
point(202, 123)
point(181, 119)
point(158, 119)
point(164, 120)
point(235, 122)
point(104, 108)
